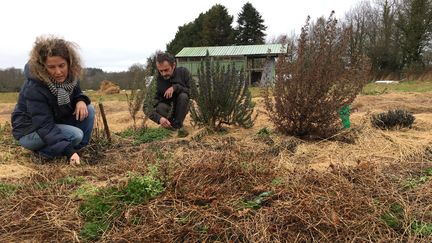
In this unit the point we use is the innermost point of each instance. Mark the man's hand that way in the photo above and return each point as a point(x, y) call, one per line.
point(81, 111)
point(74, 159)
point(165, 122)
point(169, 92)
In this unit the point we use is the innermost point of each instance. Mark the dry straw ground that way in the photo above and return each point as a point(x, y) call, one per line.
point(363, 185)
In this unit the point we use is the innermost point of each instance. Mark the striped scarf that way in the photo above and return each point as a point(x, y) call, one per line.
point(62, 90)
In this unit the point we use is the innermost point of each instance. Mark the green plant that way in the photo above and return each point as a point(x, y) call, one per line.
point(145, 134)
point(396, 118)
point(277, 181)
point(100, 209)
point(222, 97)
point(149, 99)
point(7, 190)
point(394, 217)
point(257, 201)
point(421, 228)
point(84, 191)
point(72, 180)
point(263, 132)
point(138, 91)
point(141, 188)
point(413, 182)
point(93, 230)
point(314, 79)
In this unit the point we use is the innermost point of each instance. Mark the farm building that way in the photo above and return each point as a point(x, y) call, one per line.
point(258, 61)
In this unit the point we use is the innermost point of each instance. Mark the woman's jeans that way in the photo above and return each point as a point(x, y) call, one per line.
point(78, 133)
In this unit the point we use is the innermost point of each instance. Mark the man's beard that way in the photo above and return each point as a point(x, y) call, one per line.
point(166, 77)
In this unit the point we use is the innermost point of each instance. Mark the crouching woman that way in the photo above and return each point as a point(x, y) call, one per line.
point(53, 117)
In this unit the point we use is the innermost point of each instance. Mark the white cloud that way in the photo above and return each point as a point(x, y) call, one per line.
point(115, 34)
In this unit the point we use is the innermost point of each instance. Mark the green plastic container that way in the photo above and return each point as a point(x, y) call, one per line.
point(344, 113)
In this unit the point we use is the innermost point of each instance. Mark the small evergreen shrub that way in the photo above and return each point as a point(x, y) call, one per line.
point(221, 97)
point(149, 99)
point(393, 119)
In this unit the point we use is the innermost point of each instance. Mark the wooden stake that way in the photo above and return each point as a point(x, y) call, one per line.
point(105, 122)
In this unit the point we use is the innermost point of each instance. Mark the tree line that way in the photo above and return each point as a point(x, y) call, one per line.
point(395, 35)
point(11, 79)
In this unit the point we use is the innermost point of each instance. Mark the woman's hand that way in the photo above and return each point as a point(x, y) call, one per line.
point(74, 159)
point(81, 111)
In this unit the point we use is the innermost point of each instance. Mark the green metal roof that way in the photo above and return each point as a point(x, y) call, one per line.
point(272, 49)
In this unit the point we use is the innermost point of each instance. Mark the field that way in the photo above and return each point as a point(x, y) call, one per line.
point(242, 185)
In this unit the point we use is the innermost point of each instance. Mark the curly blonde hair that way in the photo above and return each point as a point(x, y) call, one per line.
point(49, 46)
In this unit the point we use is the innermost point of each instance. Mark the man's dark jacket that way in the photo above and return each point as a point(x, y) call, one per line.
point(180, 81)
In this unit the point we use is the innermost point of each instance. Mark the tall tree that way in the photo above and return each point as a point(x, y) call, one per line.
point(187, 35)
point(386, 54)
point(212, 28)
point(216, 27)
point(250, 28)
point(415, 24)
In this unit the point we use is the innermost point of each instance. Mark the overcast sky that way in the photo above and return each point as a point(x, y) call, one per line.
point(113, 35)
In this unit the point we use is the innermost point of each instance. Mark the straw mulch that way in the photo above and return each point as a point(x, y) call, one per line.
point(242, 189)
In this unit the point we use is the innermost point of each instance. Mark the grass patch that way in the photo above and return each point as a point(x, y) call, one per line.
point(406, 86)
point(421, 228)
point(146, 135)
point(84, 191)
point(8, 97)
point(394, 217)
point(422, 179)
point(7, 190)
point(263, 132)
point(101, 209)
point(98, 96)
point(72, 180)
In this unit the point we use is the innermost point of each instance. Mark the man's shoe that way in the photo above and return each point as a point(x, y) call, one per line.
point(182, 132)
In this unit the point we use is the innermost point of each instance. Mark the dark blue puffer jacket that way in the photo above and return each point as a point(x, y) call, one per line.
point(37, 110)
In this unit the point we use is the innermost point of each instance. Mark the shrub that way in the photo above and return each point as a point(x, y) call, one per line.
point(149, 99)
point(137, 96)
point(393, 119)
point(222, 97)
point(315, 79)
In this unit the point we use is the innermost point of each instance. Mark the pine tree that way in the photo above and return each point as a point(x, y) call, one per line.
point(216, 27)
point(250, 29)
point(222, 97)
point(212, 28)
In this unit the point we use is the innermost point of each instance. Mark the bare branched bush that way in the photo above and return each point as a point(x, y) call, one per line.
point(222, 97)
point(136, 98)
point(314, 80)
